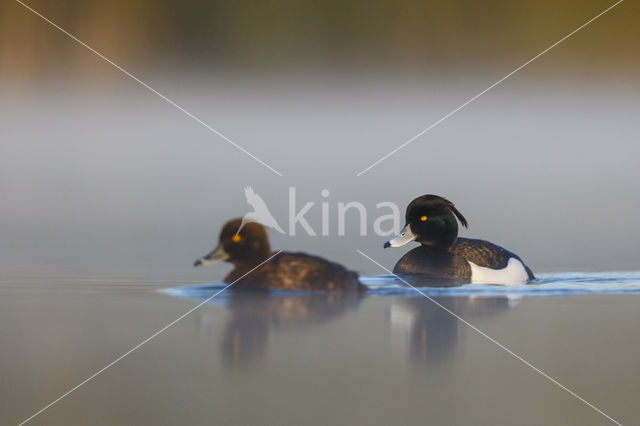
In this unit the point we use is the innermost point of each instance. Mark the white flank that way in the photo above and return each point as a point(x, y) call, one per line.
point(512, 274)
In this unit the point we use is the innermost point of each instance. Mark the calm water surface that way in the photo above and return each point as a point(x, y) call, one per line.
point(390, 356)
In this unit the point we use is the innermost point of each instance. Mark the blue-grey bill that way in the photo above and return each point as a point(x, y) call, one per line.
point(217, 255)
point(405, 236)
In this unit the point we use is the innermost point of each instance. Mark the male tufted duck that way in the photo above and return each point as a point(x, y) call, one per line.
point(431, 221)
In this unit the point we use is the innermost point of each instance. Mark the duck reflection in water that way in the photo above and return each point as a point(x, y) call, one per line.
point(429, 333)
point(254, 315)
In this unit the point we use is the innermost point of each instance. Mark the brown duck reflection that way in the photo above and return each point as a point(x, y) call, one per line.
point(255, 314)
point(429, 333)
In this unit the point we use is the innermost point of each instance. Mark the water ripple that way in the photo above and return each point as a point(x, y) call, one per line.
point(558, 284)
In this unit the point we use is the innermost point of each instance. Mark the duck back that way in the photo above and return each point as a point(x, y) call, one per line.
point(486, 254)
point(298, 271)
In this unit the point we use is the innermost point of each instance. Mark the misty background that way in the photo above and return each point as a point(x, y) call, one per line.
point(99, 175)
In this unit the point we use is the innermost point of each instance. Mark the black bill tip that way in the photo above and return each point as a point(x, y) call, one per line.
point(387, 244)
point(197, 263)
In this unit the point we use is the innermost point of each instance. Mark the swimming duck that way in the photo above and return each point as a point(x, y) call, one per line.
point(248, 247)
point(431, 221)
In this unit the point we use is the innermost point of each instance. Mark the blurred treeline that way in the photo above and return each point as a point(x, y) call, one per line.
point(357, 35)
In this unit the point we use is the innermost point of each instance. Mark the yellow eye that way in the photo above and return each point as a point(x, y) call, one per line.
point(236, 238)
point(423, 218)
